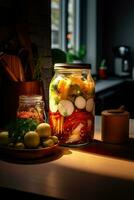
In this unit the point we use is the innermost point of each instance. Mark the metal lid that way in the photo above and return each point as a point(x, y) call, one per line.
point(30, 98)
point(72, 66)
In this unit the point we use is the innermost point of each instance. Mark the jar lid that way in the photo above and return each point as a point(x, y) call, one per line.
point(72, 66)
point(30, 98)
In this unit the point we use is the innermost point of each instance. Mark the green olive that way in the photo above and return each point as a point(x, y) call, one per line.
point(4, 138)
point(54, 138)
point(11, 144)
point(32, 139)
point(44, 130)
point(19, 145)
point(48, 143)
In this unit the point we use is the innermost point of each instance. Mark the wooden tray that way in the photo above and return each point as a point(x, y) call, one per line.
point(29, 153)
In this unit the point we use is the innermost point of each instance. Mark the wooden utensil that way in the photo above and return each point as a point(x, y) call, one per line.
point(121, 109)
point(13, 67)
point(8, 71)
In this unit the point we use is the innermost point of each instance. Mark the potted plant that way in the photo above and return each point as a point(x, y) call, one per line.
point(76, 56)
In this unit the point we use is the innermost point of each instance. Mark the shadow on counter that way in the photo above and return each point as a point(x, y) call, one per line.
point(123, 151)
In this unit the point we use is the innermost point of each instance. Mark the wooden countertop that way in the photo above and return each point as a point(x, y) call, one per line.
point(94, 172)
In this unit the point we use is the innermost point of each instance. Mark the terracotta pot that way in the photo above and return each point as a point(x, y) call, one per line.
point(12, 91)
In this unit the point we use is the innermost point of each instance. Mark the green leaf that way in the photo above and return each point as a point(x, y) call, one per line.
point(76, 55)
point(19, 127)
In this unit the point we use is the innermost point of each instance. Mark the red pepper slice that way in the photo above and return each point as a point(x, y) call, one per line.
point(71, 122)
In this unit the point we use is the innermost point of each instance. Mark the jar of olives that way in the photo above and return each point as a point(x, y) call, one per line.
point(71, 104)
point(31, 106)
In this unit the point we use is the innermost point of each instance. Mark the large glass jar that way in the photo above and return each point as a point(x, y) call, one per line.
point(31, 106)
point(71, 104)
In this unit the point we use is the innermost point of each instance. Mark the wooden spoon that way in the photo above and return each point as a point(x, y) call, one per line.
point(121, 109)
point(7, 70)
point(13, 66)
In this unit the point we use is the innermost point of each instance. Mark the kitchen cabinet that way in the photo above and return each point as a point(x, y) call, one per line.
point(116, 95)
point(128, 97)
point(109, 97)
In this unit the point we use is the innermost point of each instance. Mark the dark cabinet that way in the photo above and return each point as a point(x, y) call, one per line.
point(109, 98)
point(128, 96)
point(116, 96)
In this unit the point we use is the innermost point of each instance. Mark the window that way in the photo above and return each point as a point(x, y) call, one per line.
point(64, 24)
point(73, 25)
point(55, 23)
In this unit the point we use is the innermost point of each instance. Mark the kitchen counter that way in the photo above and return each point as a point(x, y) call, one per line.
point(93, 172)
point(107, 83)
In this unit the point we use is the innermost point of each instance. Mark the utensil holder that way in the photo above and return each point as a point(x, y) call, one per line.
point(115, 126)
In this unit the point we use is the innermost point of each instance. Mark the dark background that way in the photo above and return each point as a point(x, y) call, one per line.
point(115, 26)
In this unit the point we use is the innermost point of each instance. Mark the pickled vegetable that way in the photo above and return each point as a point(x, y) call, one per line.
point(65, 107)
point(71, 106)
point(80, 102)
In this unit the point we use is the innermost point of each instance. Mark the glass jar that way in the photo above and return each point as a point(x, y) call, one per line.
point(71, 104)
point(31, 106)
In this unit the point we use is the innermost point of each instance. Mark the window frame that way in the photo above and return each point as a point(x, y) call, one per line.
point(63, 24)
point(85, 29)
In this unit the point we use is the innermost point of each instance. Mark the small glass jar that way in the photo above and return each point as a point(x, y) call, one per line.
point(71, 104)
point(31, 106)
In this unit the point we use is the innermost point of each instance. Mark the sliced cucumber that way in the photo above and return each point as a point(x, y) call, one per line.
point(53, 105)
point(89, 105)
point(80, 102)
point(65, 107)
point(54, 84)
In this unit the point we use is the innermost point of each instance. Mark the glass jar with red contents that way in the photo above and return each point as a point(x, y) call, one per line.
point(71, 104)
point(31, 106)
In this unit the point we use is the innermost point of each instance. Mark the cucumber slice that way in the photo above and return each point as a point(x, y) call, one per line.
point(53, 105)
point(65, 107)
point(80, 102)
point(89, 105)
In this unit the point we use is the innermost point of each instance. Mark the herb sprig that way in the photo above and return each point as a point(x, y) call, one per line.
point(19, 127)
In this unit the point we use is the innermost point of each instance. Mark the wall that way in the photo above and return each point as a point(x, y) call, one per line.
point(115, 27)
point(34, 20)
point(36, 14)
point(91, 34)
